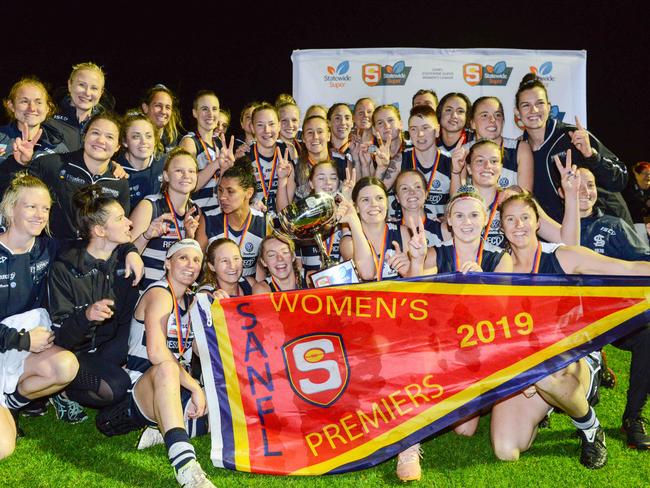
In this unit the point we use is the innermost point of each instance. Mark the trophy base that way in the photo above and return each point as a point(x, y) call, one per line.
point(340, 274)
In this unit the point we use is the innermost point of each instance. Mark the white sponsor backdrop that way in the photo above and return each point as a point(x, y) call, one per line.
point(388, 75)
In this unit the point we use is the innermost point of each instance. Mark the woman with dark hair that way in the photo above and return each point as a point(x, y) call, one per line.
point(549, 138)
point(453, 114)
point(374, 243)
point(235, 219)
point(91, 303)
point(514, 420)
point(160, 105)
point(66, 173)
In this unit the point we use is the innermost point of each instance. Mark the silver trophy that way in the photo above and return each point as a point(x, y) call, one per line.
point(307, 219)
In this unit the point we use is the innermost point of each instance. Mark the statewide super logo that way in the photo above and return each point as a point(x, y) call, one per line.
point(317, 367)
point(337, 77)
point(543, 72)
point(378, 75)
point(496, 75)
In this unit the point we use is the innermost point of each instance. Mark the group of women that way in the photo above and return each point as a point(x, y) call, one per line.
point(138, 198)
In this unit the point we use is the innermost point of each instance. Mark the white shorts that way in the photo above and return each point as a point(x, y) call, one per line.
point(12, 362)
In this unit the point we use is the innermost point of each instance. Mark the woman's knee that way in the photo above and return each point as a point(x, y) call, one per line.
point(506, 449)
point(7, 433)
point(64, 367)
point(467, 428)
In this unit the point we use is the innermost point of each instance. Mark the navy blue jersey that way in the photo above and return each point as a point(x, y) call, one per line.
point(509, 149)
point(206, 197)
point(446, 257)
point(155, 253)
point(216, 226)
point(548, 262)
point(66, 173)
point(142, 182)
point(267, 183)
point(609, 171)
point(438, 184)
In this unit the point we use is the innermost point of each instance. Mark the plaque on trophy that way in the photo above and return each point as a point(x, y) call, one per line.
point(306, 219)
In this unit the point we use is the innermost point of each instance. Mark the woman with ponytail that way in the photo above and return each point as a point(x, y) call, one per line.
point(91, 302)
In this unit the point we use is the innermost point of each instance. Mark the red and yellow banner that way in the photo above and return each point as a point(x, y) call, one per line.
point(336, 379)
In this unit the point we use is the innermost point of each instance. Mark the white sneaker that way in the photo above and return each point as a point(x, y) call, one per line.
point(408, 464)
point(150, 436)
point(192, 476)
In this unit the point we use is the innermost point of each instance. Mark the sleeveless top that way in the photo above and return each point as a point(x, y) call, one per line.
point(446, 258)
point(249, 238)
point(243, 283)
point(153, 256)
point(438, 184)
point(548, 263)
point(206, 197)
point(137, 360)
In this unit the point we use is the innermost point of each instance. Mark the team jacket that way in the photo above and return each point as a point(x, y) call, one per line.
point(50, 142)
point(23, 286)
point(64, 174)
point(68, 124)
point(78, 280)
point(612, 237)
point(142, 182)
point(609, 171)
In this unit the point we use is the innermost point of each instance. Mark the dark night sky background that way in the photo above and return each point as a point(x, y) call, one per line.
point(243, 52)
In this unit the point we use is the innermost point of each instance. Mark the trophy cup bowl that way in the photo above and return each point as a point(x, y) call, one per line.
point(306, 219)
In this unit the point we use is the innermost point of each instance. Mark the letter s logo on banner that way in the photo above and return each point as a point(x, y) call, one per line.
point(371, 74)
point(317, 367)
point(473, 73)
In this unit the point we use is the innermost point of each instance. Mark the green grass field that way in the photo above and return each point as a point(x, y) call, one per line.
point(58, 455)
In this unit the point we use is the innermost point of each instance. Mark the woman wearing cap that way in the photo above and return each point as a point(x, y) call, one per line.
point(160, 349)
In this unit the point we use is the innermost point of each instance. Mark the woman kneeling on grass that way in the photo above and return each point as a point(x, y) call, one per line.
point(160, 349)
point(514, 420)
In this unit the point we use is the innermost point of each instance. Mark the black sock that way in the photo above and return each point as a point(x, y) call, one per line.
point(179, 449)
point(15, 400)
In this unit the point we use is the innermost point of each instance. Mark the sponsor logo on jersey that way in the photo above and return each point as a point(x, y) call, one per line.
point(338, 76)
point(389, 75)
point(491, 75)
